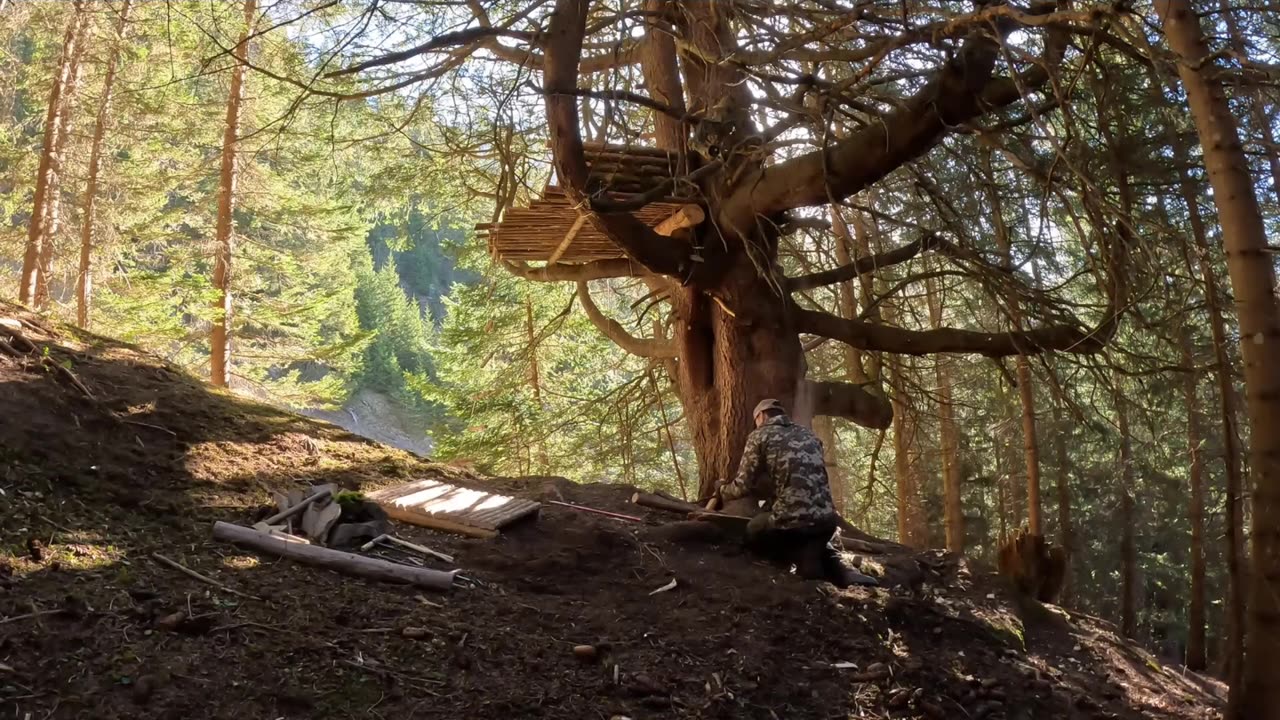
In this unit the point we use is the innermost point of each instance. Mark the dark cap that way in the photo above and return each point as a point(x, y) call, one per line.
point(767, 404)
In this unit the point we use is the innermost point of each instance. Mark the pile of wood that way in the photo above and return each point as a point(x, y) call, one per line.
point(308, 520)
point(1036, 569)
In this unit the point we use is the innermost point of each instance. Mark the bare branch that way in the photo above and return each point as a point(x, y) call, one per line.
point(444, 40)
point(862, 265)
point(885, 338)
point(849, 401)
point(613, 330)
point(598, 270)
point(1072, 338)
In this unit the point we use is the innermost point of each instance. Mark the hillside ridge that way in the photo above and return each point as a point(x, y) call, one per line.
point(143, 458)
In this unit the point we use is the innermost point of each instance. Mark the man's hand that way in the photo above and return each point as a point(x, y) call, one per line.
point(716, 501)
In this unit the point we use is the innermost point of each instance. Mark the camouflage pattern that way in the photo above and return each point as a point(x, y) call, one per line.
point(782, 463)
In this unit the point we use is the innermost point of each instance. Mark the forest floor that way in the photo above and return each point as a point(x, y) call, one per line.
point(91, 487)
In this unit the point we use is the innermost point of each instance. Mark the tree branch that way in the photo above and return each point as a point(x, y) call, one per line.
point(444, 40)
point(884, 338)
point(560, 73)
point(613, 330)
point(597, 270)
point(1070, 338)
point(862, 265)
point(849, 401)
point(953, 97)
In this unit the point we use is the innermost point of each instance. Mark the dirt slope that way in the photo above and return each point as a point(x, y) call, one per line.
point(91, 487)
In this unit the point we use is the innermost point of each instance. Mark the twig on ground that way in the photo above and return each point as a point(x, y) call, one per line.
point(147, 425)
point(28, 616)
point(202, 578)
point(47, 521)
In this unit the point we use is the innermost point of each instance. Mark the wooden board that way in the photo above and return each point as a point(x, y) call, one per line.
point(439, 505)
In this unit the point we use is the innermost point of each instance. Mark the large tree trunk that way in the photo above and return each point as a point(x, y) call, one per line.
point(953, 509)
point(1128, 554)
point(38, 231)
point(1195, 659)
point(736, 347)
point(84, 279)
point(229, 175)
point(1254, 284)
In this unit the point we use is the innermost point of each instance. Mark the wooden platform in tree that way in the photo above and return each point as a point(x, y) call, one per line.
point(439, 505)
point(552, 230)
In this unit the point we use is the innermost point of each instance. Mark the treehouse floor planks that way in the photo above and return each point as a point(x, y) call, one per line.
point(439, 505)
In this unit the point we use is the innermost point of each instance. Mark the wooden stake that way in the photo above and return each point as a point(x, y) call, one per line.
point(202, 578)
point(606, 513)
point(418, 548)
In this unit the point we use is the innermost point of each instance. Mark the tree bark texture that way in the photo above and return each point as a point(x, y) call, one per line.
point(39, 234)
point(84, 278)
point(224, 231)
point(1253, 283)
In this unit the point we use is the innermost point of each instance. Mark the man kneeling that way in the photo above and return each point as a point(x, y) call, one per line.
point(782, 465)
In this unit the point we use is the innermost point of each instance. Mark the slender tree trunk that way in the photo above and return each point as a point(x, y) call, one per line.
point(904, 430)
point(848, 302)
point(1227, 406)
point(1026, 391)
point(1196, 613)
point(1253, 282)
point(1030, 446)
point(84, 279)
point(953, 510)
point(910, 520)
point(1128, 555)
point(38, 233)
point(53, 205)
point(866, 288)
point(535, 384)
point(1066, 530)
point(824, 428)
point(220, 335)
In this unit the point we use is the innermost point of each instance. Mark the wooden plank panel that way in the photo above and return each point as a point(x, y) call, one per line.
point(443, 506)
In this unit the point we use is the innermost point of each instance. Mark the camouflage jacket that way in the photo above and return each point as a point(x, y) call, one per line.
point(782, 463)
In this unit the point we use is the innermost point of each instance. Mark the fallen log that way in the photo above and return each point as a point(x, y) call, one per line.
point(335, 560)
point(659, 502)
